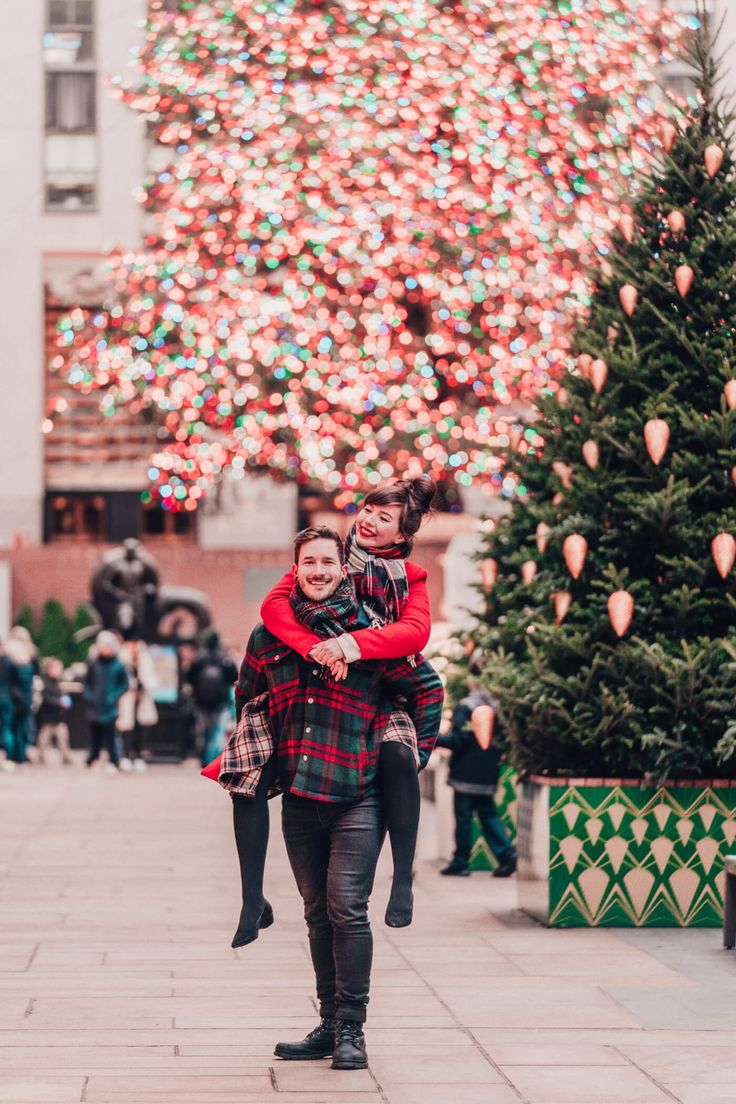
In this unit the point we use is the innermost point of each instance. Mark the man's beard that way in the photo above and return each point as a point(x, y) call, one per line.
point(318, 592)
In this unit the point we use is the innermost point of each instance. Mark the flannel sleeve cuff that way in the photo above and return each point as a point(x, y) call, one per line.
point(350, 647)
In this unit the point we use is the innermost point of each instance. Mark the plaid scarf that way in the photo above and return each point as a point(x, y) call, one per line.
point(331, 617)
point(380, 578)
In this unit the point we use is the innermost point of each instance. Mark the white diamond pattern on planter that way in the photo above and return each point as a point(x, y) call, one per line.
point(684, 883)
point(616, 849)
point(662, 814)
point(571, 848)
point(616, 814)
point(729, 831)
point(662, 849)
point(593, 883)
point(639, 829)
point(684, 830)
point(571, 812)
point(707, 813)
point(639, 882)
point(594, 827)
point(707, 848)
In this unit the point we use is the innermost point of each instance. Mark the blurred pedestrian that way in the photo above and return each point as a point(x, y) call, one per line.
point(53, 713)
point(6, 705)
point(137, 708)
point(22, 653)
point(212, 677)
point(187, 653)
point(105, 683)
point(474, 774)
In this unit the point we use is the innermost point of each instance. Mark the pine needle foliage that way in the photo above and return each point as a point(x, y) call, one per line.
point(659, 700)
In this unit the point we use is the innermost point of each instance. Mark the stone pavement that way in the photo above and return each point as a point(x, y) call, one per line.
point(118, 897)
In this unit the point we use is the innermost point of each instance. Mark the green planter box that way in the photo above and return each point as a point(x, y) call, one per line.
point(613, 852)
point(481, 857)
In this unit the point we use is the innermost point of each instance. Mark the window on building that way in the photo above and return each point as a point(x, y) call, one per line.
point(70, 154)
point(165, 523)
point(77, 517)
point(71, 13)
point(70, 103)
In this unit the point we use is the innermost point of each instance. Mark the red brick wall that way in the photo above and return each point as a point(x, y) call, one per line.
point(233, 580)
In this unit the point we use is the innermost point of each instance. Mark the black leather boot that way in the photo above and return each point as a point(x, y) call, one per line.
point(349, 1053)
point(319, 1043)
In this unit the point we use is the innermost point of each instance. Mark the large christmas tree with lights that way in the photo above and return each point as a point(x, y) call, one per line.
point(373, 230)
point(610, 590)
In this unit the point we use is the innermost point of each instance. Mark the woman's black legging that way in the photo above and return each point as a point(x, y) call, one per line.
point(401, 803)
point(251, 825)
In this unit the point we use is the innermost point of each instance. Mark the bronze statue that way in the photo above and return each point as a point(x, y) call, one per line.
point(127, 598)
point(124, 589)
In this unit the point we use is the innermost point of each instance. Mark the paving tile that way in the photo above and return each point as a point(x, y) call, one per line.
point(579, 941)
point(554, 1054)
point(317, 1076)
point(612, 969)
point(534, 1002)
point(706, 1006)
point(67, 956)
point(16, 956)
point(13, 1011)
point(320, 1096)
point(63, 1055)
point(705, 1064)
point(16, 1089)
point(585, 1085)
point(615, 1037)
point(463, 1067)
point(449, 1094)
point(196, 1087)
point(98, 1012)
point(479, 975)
point(696, 1093)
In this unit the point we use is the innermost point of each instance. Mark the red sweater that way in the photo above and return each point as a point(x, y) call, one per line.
point(405, 637)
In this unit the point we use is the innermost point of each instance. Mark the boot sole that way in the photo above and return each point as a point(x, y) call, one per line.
point(356, 1065)
point(301, 1057)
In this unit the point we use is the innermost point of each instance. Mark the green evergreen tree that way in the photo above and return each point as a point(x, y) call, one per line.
point(81, 619)
point(659, 699)
point(55, 632)
point(26, 619)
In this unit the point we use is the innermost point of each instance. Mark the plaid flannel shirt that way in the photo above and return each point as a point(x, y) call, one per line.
point(329, 733)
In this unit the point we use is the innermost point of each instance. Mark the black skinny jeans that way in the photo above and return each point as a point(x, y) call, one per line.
point(103, 734)
point(333, 850)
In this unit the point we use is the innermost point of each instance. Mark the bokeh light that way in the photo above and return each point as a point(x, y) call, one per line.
point(373, 232)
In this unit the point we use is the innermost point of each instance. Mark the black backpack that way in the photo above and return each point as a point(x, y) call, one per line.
point(209, 685)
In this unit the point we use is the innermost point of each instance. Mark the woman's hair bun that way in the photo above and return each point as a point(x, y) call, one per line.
point(422, 491)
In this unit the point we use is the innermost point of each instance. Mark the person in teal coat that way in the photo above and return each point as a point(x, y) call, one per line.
point(105, 683)
point(21, 652)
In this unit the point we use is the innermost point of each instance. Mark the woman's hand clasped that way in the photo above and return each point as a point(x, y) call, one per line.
point(330, 655)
